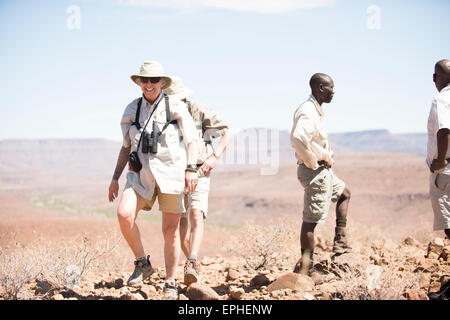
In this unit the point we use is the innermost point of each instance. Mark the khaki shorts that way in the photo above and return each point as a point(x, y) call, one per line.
point(170, 203)
point(198, 199)
point(440, 200)
point(321, 187)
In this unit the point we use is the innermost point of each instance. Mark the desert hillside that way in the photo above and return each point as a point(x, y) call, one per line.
point(60, 239)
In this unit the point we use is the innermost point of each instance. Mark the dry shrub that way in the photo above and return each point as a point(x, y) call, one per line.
point(265, 246)
point(66, 263)
point(61, 264)
point(375, 283)
point(17, 268)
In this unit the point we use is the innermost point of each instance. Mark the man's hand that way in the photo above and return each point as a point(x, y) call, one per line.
point(437, 165)
point(442, 147)
point(191, 179)
point(113, 190)
point(209, 164)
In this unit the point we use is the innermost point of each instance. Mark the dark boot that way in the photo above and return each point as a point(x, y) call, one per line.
point(340, 244)
point(442, 294)
point(305, 264)
point(142, 270)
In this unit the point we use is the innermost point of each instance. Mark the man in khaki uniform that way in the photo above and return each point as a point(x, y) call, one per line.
point(208, 126)
point(314, 159)
point(438, 151)
point(165, 171)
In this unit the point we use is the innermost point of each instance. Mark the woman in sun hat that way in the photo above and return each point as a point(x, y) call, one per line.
point(209, 126)
point(165, 171)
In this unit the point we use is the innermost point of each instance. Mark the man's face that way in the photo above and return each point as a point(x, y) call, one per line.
point(151, 87)
point(438, 81)
point(327, 90)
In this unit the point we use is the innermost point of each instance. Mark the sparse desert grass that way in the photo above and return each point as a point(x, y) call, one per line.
point(276, 245)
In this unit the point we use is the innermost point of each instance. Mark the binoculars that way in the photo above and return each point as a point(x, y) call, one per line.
point(150, 140)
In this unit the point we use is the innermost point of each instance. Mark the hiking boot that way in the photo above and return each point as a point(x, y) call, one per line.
point(442, 294)
point(142, 270)
point(305, 264)
point(170, 290)
point(340, 244)
point(191, 272)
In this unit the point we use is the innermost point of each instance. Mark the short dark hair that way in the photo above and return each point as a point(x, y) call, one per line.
point(317, 79)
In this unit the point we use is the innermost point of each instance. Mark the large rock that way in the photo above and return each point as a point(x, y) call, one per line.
point(42, 287)
point(348, 262)
point(259, 280)
point(436, 246)
point(427, 265)
point(134, 296)
point(410, 241)
point(424, 281)
point(413, 294)
point(236, 293)
point(197, 291)
point(327, 288)
point(445, 254)
point(292, 281)
point(233, 274)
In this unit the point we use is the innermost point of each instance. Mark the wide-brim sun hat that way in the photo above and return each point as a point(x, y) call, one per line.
point(177, 89)
point(152, 69)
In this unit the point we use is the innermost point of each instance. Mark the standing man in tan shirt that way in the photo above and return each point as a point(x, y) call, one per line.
point(209, 126)
point(315, 158)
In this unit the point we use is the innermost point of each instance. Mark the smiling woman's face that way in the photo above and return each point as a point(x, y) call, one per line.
point(151, 90)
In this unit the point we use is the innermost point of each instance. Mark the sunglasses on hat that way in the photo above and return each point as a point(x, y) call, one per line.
point(152, 80)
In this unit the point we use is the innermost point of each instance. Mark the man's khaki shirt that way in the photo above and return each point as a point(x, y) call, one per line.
point(167, 166)
point(308, 135)
point(209, 126)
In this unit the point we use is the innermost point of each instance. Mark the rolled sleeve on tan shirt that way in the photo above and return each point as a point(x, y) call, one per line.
point(442, 114)
point(185, 122)
point(212, 123)
point(126, 122)
point(209, 126)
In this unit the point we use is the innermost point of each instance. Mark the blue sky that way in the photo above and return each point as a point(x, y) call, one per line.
point(250, 61)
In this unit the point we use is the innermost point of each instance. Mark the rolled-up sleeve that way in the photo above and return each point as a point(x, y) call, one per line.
point(125, 123)
point(442, 114)
point(304, 130)
point(211, 123)
point(185, 123)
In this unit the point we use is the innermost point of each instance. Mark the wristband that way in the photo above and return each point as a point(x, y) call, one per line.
point(191, 168)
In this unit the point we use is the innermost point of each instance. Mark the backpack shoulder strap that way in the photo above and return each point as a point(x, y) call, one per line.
point(169, 117)
point(138, 113)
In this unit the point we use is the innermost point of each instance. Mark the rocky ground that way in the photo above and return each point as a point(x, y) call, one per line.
point(387, 271)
